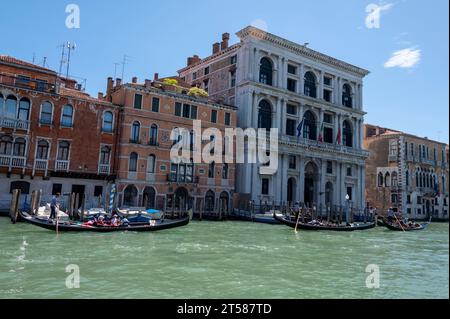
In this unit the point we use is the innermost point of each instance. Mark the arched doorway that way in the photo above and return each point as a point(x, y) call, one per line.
point(209, 201)
point(224, 202)
point(149, 197)
point(291, 188)
point(181, 198)
point(328, 194)
point(130, 196)
point(311, 178)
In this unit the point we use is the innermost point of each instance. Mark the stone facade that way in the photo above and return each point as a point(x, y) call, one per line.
point(406, 172)
point(52, 135)
point(280, 84)
point(146, 175)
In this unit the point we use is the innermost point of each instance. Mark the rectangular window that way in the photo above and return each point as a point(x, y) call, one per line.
point(177, 108)
point(213, 116)
point(207, 70)
point(292, 69)
point(41, 85)
point(327, 95)
point(290, 127)
point(329, 167)
point(292, 85)
point(408, 199)
point(291, 109)
point(56, 188)
point(23, 80)
point(265, 186)
point(186, 110)
point(193, 112)
point(232, 79)
point(227, 118)
point(327, 118)
point(155, 104)
point(419, 200)
point(394, 198)
point(292, 162)
point(98, 191)
point(326, 80)
point(206, 85)
point(349, 193)
point(194, 76)
point(137, 101)
point(412, 149)
point(408, 211)
point(328, 135)
point(393, 148)
point(349, 171)
point(233, 59)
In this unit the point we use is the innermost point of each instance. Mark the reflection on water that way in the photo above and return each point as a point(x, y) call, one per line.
point(223, 260)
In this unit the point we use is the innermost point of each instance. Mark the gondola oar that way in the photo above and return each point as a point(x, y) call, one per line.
point(296, 224)
point(399, 222)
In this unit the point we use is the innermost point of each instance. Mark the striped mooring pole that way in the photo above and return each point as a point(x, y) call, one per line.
point(111, 198)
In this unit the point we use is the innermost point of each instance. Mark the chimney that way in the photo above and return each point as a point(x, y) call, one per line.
point(118, 82)
point(196, 58)
point(155, 77)
point(216, 48)
point(225, 39)
point(134, 79)
point(148, 83)
point(100, 96)
point(79, 86)
point(109, 87)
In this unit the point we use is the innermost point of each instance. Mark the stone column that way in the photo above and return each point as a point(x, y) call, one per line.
point(320, 123)
point(284, 158)
point(279, 116)
point(256, 63)
point(301, 181)
point(337, 185)
point(355, 141)
point(343, 189)
point(323, 171)
point(363, 185)
point(283, 117)
point(255, 110)
point(249, 109)
point(361, 133)
point(339, 91)
point(360, 97)
point(320, 95)
point(302, 79)
point(280, 71)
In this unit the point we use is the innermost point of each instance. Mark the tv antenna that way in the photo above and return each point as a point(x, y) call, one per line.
point(124, 62)
point(70, 47)
point(115, 68)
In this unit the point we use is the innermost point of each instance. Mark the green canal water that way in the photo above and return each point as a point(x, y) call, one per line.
point(224, 260)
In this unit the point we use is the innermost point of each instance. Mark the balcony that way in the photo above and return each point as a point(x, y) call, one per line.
point(15, 124)
point(62, 165)
point(153, 143)
point(173, 178)
point(323, 146)
point(392, 158)
point(12, 161)
point(40, 164)
point(103, 169)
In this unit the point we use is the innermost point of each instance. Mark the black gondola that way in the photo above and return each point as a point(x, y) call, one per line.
point(397, 227)
point(308, 226)
point(74, 226)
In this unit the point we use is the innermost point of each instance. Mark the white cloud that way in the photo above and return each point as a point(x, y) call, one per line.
point(406, 58)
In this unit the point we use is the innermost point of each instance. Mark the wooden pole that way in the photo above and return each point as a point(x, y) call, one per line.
point(13, 210)
point(75, 209)
point(83, 203)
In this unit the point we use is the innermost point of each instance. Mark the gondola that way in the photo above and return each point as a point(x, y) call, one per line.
point(308, 226)
point(78, 226)
point(396, 227)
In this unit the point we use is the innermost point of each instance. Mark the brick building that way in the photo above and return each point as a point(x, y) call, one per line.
point(146, 176)
point(406, 172)
point(276, 83)
point(53, 136)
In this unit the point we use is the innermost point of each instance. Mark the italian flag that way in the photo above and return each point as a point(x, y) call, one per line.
point(321, 133)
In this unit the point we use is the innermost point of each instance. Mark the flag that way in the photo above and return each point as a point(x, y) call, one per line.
point(299, 128)
point(321, 133)
point(338, 137)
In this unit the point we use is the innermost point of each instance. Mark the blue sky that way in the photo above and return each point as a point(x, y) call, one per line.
point(412, 95)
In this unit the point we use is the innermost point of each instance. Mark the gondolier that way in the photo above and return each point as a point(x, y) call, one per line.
point(53, 205)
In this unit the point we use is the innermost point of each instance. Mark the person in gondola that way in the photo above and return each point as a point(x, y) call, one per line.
point(54, 204)
point(125, 222)
point(115, 221)
point(390, 215)
point(296, 209)
point(100, 221)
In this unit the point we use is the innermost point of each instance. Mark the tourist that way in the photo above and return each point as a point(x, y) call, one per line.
point(125, 222)
point(296, 209)
point(54, 204)
point(101, 220)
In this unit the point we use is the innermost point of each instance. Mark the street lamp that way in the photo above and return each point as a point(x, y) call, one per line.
point(347, 198)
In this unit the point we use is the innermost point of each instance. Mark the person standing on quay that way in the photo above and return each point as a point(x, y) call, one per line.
point(53, 205)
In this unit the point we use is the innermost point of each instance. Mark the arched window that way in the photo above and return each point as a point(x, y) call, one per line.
point(151, 164)
point(427, 180)
point(67, 116)
point(347, 95)
point(19, 147)
point(104, 155)
point(135, 132)
point(407, 178)
point(5, 145)
point(211, 169)
point(225, 171)
point(422, 180)
point(394, 179)
point(443, 185)
point(265, 115)
point(42, 150)
point(417, 179)
point(309, 126)
point(149, 196)
point(24, 109)
point(265, 71)
point(387, 179)
point(209, 200)
point(63, 151)
point(46, 113)
point(153, 134)
point(132, 165)
point(11, 107)
point(130, 196)
point(380, 179)
point(347, 134)
point(107, 125)
point(310, 84)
